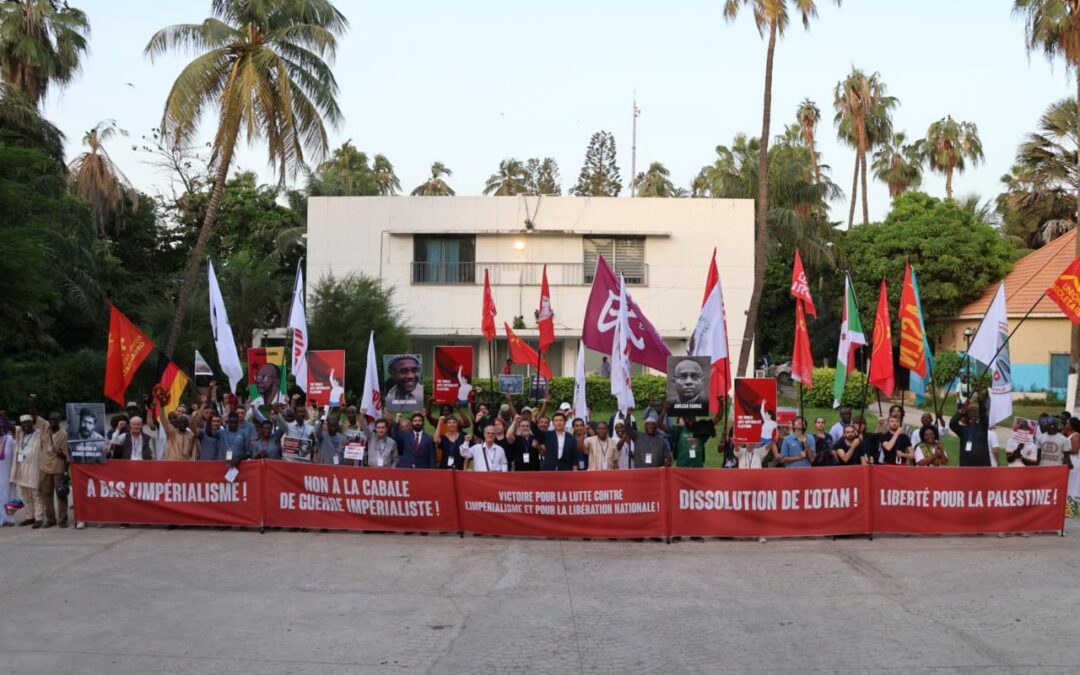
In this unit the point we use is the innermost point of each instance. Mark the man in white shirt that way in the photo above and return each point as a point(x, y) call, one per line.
point(836, 433)
point(486, 456)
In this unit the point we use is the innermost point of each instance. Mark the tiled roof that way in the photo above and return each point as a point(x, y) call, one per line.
point(1031, 275)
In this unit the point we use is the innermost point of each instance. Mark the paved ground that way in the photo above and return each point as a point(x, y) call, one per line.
point(146, 600)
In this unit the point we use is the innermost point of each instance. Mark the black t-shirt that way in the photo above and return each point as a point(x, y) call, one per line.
point(856, 457)
point(891, 457)
point(822, 447)
point(516, 454)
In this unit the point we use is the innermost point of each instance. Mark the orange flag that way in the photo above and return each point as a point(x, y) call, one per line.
point(881, 358)
point(128, 348)
point(524, 355)
point(487, 322)
point(912, 337)
point(1065, 291)
point(802, 361)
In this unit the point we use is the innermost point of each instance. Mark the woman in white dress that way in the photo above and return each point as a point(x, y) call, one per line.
point(7, 456)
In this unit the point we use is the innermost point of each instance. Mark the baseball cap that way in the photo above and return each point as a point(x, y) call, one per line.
point(505, 407)
point(564, 406)
point(526, 409)
point(132, 404)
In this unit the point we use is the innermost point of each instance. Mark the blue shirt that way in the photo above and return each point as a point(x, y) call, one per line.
point(791, 447)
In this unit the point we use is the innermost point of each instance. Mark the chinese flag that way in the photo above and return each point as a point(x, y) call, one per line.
point(546, 317)
point(128, 348)
point(1065, 291)
point(802, 361)
point(881, 357)
point(800, 287)
point(524, 355)
point(912, 339)
point(488, 322)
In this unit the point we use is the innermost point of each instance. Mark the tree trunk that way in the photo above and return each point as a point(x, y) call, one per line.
point(761, 240)
point(948, 182)
point(854, 190)
point(865, 207)
point(1075, 329)
point(813, 162)
point(195, 261)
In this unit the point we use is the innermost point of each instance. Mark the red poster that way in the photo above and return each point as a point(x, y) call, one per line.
point(969, 500)
point(353, 498)
point(755, 409)
point(453, 374)
point(615, 504)
point(166, 493)
point(769, 502)
point(326, 378)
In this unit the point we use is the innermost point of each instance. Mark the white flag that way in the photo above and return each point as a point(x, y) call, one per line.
point(202, 368)
point(710, 333)
point(620, 355)
point(298, 324)
point(371, 402)
point(989, 347)
point(227, 357)
point(581, 407)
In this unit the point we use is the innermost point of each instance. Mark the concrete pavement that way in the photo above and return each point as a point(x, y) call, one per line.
point(147, 600)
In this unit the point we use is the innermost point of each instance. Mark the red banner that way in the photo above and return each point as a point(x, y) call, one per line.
point(353, 498)
point(581, 504)
point(971, 500)
point(769, 503)
point(167, 493)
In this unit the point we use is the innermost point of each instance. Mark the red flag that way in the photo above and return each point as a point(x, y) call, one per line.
point(881, 357)
point(802, 360)
point(546, 319)
point(128, 348)
point(524, 355)
point(719, 377)
point(646, 345)
point(912, 337)
point(488, 322)
point(1065, 291)
point(800, 287)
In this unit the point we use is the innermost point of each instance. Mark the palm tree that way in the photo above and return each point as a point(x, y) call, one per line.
point(96, 179)
point(435, 186)
point(808, 116)
point(510, 179)
point(386, 181)
point(862, 119)
point(263, 66)
point(771, 19)
point(950, 145)
point(899, 164)
point(41, 42)
point(347, 173)
point(655, 182)
point(21, 121)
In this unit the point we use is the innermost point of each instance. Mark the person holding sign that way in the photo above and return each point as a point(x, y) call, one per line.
point(690, 438)
point(486, 456)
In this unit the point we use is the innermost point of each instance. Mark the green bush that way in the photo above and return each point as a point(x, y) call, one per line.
point(821, 394)
point(597, 392)
point(74, 377)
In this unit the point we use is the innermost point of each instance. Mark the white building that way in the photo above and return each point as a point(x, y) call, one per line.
point(434, 250)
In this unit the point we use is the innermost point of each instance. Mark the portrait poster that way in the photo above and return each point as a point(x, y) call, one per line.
point(755, 410)
point(295, 449)
point(538, 387)
point(86, 432)
point(452, 376)
point(512, 384)
point(403, 386)
point(326, 378)
point(688, 385)
point(266, 375)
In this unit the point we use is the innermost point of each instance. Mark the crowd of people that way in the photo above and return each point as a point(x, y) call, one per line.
point(482, 437)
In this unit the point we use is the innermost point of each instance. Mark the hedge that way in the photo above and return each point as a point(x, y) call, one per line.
point(821, 394)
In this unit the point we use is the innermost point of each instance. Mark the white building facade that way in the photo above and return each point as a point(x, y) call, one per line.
point(433, 251)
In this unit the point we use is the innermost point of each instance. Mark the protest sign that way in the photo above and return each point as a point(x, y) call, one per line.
point(511, 384)
point(785, 417)
point(354, 449)
point(326, 378)
point(403, 389)
point(688, 385)
point(755, 409)
point(452, 377)
point(295, 449)
point(266, 375)
point(538, 387)
point(86, 432)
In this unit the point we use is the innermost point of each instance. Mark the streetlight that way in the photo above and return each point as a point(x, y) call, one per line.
point(968, 334)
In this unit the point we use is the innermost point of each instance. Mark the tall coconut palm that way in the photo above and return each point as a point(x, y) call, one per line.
point(899, 164)
point(435, 186)
point(263, 65)
point(808, 115)
point(771, 18)
point(386, 181)
point(346, 173)
point(862, 119)
point(96, 179)
point(510, 179)
point(950, 145)
point(41, 43)
point(654, 182)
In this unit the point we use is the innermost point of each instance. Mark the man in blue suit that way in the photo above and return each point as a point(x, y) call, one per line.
point(560, 446)
point(417, 447)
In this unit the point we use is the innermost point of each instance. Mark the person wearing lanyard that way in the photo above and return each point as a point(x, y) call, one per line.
point(602, 450)
point(525, 448)
point(133, 444)
point(268, 444)
point(331, 442)
point(382, 450)
point(31, 443)
point(486, 456)
point(560, 447)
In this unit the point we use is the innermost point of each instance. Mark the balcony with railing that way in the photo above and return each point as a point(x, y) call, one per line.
point(515, 274)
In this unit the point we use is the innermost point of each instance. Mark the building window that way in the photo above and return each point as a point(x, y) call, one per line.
point(626, 255)
point(1059, 371)
point(444, 260)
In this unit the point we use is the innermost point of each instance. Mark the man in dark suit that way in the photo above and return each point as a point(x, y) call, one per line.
point(417, 448)
point(560, 446)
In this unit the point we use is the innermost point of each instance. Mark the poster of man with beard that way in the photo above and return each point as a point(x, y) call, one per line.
point(86, 432)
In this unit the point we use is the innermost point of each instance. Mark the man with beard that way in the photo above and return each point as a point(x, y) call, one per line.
point(406, 392)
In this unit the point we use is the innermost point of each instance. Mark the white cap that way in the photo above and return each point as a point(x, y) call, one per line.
point(565, 407)
point(26, 418)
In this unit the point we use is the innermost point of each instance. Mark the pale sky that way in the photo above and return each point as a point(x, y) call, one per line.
point(472, 83)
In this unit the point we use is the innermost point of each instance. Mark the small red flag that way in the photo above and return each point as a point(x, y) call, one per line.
point(1065, 291)
point(524, 355)
point(128, 348)
point(488, 322)
point(800, 287)
point(546, 317)
point(912, 339)
point(881, 357)
point(802, 360)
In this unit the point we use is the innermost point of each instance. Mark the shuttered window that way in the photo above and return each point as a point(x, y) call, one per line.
point(625, 255)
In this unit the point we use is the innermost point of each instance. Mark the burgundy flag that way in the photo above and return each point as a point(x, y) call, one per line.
point(646, 345)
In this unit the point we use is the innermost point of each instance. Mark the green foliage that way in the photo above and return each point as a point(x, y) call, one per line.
point(599, 175)
point(348, 173)
point(41, 44)
point(597, 392)
point(946, 368)
point(820, 395)
point(435, 186)
point(56, 379)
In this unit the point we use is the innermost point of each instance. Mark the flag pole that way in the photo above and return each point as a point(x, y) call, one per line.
point(866, 382)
